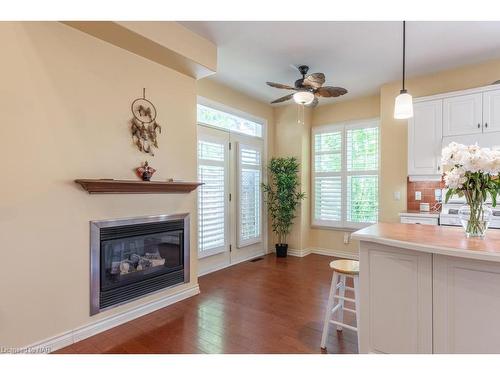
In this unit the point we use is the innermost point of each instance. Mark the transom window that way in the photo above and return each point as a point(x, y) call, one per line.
point(214, 117)
point(345, 174)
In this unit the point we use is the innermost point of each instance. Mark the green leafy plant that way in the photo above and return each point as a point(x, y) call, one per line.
point(283, 194)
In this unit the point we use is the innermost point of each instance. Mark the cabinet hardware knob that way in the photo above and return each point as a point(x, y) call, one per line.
point(478, 125)
point(485, 124)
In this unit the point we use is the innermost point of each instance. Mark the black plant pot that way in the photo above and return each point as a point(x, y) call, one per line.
point(281, 250)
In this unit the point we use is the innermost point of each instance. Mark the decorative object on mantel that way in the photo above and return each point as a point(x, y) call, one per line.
point(145, 172)
point(473, 172)
point(110, 186)
point(144, 127)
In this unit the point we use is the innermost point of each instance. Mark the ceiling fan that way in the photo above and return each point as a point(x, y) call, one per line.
point(308, 88)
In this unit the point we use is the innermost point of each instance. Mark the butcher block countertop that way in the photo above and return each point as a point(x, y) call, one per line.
point(433, 239)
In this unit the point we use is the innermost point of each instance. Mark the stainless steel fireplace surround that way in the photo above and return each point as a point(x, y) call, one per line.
point(134, 257)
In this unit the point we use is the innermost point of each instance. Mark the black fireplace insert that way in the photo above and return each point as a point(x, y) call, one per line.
point(134, 257)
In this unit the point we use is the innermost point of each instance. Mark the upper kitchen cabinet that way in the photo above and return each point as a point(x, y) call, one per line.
point(424, 139)
point(469, 117)
point(491, 111)
point(463, 115)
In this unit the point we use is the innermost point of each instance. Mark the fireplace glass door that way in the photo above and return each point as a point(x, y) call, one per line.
point(126, 260)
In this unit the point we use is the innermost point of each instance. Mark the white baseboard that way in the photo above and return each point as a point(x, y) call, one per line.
point(321, 251)
point(218, 268)
point(334, 253)
point(299, 253)
point(78, 334)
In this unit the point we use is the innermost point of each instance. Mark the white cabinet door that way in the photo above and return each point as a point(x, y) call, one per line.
point(396, 300)
point(466, 305)
point(491, 111)
point(463, 114)
point(424, 138)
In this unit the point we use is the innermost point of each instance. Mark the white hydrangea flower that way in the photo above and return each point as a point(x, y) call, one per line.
point(472, 158)
point(455, 178)
point(452, 155)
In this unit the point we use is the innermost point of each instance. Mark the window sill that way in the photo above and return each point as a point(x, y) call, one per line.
point(338, 229)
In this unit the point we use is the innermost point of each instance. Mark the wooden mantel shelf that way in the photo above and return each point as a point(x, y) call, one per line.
point(110, 186)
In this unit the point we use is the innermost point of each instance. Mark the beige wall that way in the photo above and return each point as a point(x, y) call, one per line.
point(356, 109)
point(178, 38)
point(66, 98)
point(293, 139)
point(394, 132)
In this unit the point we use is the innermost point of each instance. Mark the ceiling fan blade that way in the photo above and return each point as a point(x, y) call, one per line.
point(280, 86)
point(314, 103)
point(329, 91)
point(283, 99)
point(314, 80)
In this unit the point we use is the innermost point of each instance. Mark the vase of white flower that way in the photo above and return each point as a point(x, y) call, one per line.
point(475, 218)
point(474, 173)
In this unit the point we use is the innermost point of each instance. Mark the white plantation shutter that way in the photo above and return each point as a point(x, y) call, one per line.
point(327, 176)
point(362, 159)
point(250, 202)
point(212, 210)
point(345, 174)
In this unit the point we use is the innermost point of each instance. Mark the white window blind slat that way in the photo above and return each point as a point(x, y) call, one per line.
point(250, 167)
point(211, 196)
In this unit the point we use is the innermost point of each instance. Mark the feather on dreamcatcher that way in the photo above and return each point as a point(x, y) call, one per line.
point(144, 127)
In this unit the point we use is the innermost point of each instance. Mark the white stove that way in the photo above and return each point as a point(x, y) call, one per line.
point(449, 211)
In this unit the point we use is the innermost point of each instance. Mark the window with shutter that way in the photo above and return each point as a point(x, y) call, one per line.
point(212, 194)
point(250, 205)
point(228, 121)
point(345, 174)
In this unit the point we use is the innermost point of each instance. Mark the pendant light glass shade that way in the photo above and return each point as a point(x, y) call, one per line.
point(403, 106)
point(303, 97)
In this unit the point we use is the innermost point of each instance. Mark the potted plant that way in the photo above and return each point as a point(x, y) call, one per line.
point(473, 172)
point(282, 196)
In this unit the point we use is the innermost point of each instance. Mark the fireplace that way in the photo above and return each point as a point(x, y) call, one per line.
point(131, 258)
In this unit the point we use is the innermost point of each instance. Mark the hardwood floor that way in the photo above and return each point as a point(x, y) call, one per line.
point(274, 305)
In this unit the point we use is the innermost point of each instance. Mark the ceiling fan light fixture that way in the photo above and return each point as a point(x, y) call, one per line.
point(303, 97)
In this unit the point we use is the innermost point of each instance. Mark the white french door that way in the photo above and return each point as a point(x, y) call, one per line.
point(230, 207)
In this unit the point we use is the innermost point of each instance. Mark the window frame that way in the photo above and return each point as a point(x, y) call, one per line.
point(235, 112)
point(343, 224)
point(248, 139)
point(225, 164)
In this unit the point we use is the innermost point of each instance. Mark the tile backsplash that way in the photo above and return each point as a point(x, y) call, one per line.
point(427, 190)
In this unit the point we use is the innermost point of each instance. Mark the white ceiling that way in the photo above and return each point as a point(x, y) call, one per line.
point(360, 56)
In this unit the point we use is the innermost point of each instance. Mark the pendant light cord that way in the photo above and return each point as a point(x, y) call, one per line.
point(404, 53)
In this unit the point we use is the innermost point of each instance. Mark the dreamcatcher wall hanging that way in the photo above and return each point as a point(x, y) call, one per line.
point(144, 127)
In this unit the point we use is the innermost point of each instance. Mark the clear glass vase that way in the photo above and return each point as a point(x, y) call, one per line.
point(475, 219)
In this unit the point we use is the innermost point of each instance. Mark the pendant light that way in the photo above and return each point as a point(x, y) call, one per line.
point(403, 105)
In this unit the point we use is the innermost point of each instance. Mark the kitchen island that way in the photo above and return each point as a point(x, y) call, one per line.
point(428, 289)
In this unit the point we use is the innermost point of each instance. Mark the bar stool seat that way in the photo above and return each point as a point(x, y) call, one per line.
point(342, 269)
point(345, 266)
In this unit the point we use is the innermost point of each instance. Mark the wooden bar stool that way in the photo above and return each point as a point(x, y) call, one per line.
point(342, 269)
